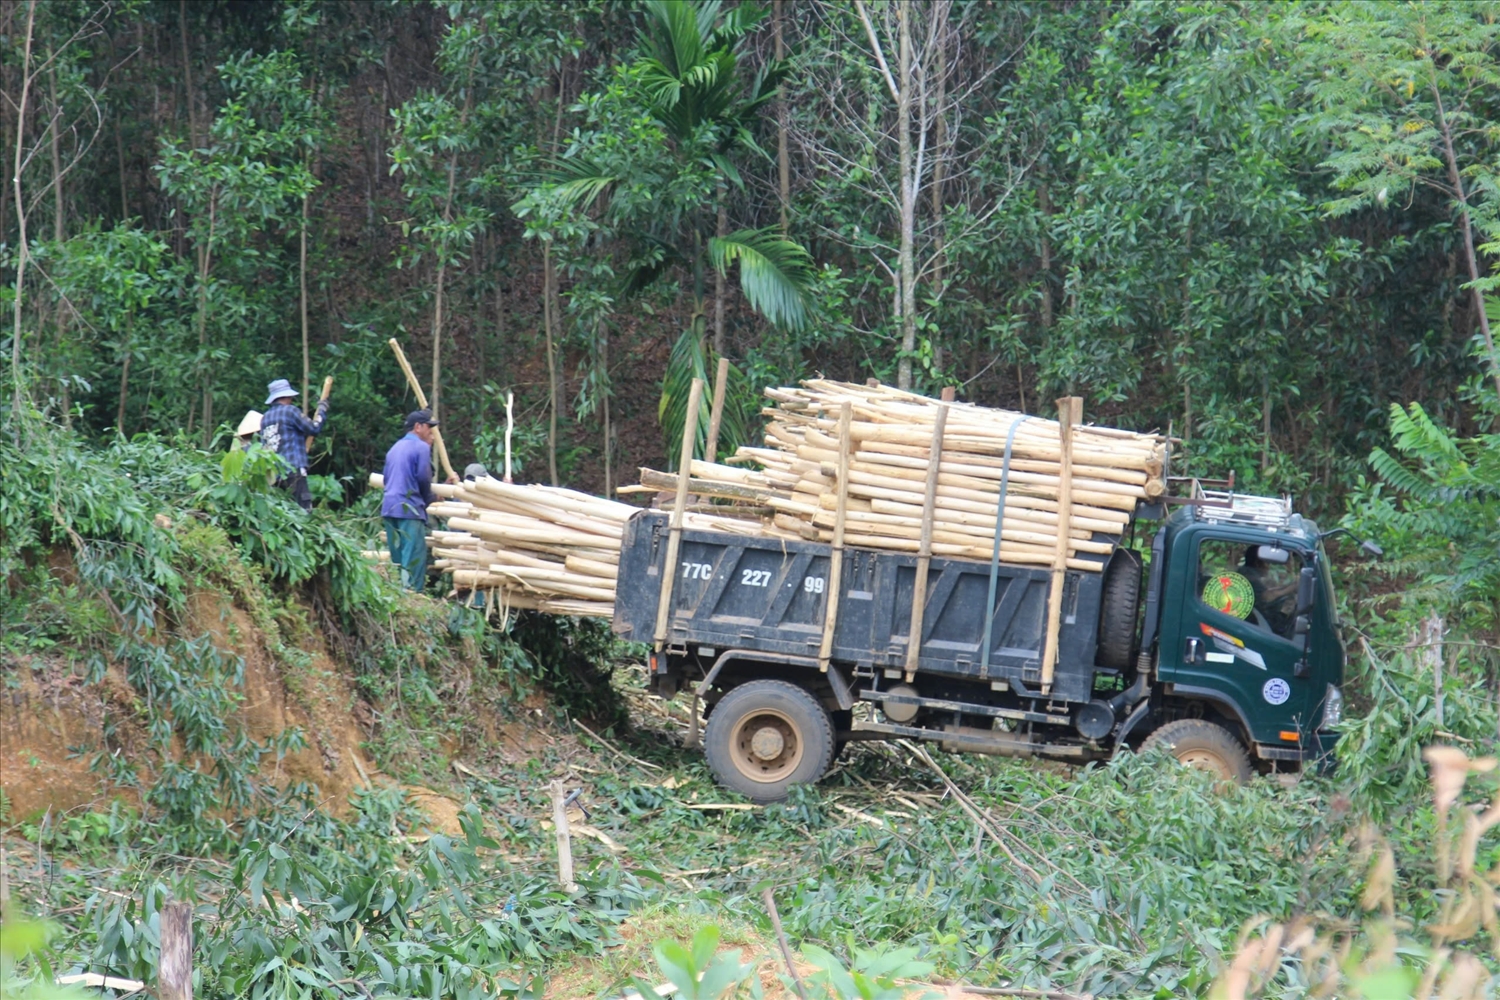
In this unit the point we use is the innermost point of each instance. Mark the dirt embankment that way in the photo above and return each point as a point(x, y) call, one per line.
point(56, 729)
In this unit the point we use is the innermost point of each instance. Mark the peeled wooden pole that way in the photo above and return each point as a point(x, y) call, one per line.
point(716, 412)
point(674, 536)
point(416, 389)
point(510, 399)
point(836, 559)
point(1069, 413)
point(924, 548)
point(327, 388)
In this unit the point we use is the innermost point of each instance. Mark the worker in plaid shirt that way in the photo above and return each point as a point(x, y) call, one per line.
point(285, 431)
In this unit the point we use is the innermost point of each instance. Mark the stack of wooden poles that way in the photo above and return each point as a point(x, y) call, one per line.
point(893, 496)
point(537, 547)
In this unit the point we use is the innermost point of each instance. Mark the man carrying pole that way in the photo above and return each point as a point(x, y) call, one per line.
point(408, 491)
point(285, 431)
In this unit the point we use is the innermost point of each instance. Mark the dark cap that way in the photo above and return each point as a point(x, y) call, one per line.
point(416, 417)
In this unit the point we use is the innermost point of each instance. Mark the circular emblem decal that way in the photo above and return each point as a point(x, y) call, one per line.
point(1230, 593)
point(1276, 691)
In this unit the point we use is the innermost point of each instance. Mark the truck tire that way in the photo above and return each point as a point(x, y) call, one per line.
point(765, 736)
point(1204, 745)
point(1118, 608)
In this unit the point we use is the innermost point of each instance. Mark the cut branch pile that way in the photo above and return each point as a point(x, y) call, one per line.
point(891, 442)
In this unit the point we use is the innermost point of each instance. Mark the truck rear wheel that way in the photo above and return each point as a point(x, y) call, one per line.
point(1204, 745)
point(1117, 610)
point(765, 736)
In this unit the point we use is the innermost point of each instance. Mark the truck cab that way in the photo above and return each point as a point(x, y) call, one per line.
point(1243, 619)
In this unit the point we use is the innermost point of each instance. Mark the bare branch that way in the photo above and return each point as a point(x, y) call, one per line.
point(885, 70)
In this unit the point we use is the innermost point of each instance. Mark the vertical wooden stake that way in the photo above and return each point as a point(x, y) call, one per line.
point(924, 545)
point(1431, 636)
point(438, 447)
point(674, 538)
point(716, 412)
point(174, 976)
point(564, 839)
point(1069, 413)
point(836, 560)
point(510, 399)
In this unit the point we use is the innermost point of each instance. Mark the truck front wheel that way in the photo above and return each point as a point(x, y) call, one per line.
point(1203, 745)
point(765, 736)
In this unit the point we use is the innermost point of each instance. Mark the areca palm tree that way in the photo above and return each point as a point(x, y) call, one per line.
point(694, 88)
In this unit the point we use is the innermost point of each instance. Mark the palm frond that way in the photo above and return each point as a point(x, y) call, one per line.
point(738, 22)
point(1402, 479)
point(775, 273)
point(690, 359)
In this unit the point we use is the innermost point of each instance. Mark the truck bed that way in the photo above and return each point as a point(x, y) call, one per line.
point(769, 595)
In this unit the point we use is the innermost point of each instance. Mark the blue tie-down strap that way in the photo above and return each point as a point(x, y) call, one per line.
point(989, 613)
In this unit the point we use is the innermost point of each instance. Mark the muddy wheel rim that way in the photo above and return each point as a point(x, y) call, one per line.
point(766, 746)
point(1206, 760)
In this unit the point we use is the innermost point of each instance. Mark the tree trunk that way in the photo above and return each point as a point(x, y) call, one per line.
point(59, 231)
point(501, 346)
point(205, 263)
point(22, 250)
point(908, 201)
point(783, 161)
point(120, 162)
point(187, 76)
point(1044, 202)
point(939, 156)
point(302, 287)
point(124, 387)
point(549, 321)
point(609, 483)
point(1265, 425)
point(437, 299)
point(721, 229)
point(1470, 257)
point(550, 316)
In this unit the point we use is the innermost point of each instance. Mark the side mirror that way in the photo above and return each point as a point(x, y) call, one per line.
point(1301, 627)
point(1307, 590)
point(1273, 554)
point(1371, 549)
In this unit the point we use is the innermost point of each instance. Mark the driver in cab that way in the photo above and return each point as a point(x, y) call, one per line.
point(1275, 598)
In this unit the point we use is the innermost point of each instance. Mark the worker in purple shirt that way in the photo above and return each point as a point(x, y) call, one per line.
point(408, 491)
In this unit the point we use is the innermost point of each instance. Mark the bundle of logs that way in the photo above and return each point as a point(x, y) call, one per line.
point(537, 547)
point(866, 466)
point(878, 444)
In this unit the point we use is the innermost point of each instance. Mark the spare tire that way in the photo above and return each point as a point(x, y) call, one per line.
point(1118, 609)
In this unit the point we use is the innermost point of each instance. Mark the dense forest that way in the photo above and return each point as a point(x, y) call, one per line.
point(1256, 226)
point(1267, 231)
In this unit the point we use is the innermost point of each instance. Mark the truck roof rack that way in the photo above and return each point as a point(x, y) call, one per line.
point(1228, 507)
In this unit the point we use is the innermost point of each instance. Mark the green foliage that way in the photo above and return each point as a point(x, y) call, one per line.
point(873, 977)
point(27, 940)
point(317, 904)
point(698, 971)
point(1435, 507)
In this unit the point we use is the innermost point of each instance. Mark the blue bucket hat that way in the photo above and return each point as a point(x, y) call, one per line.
point(278, 389)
